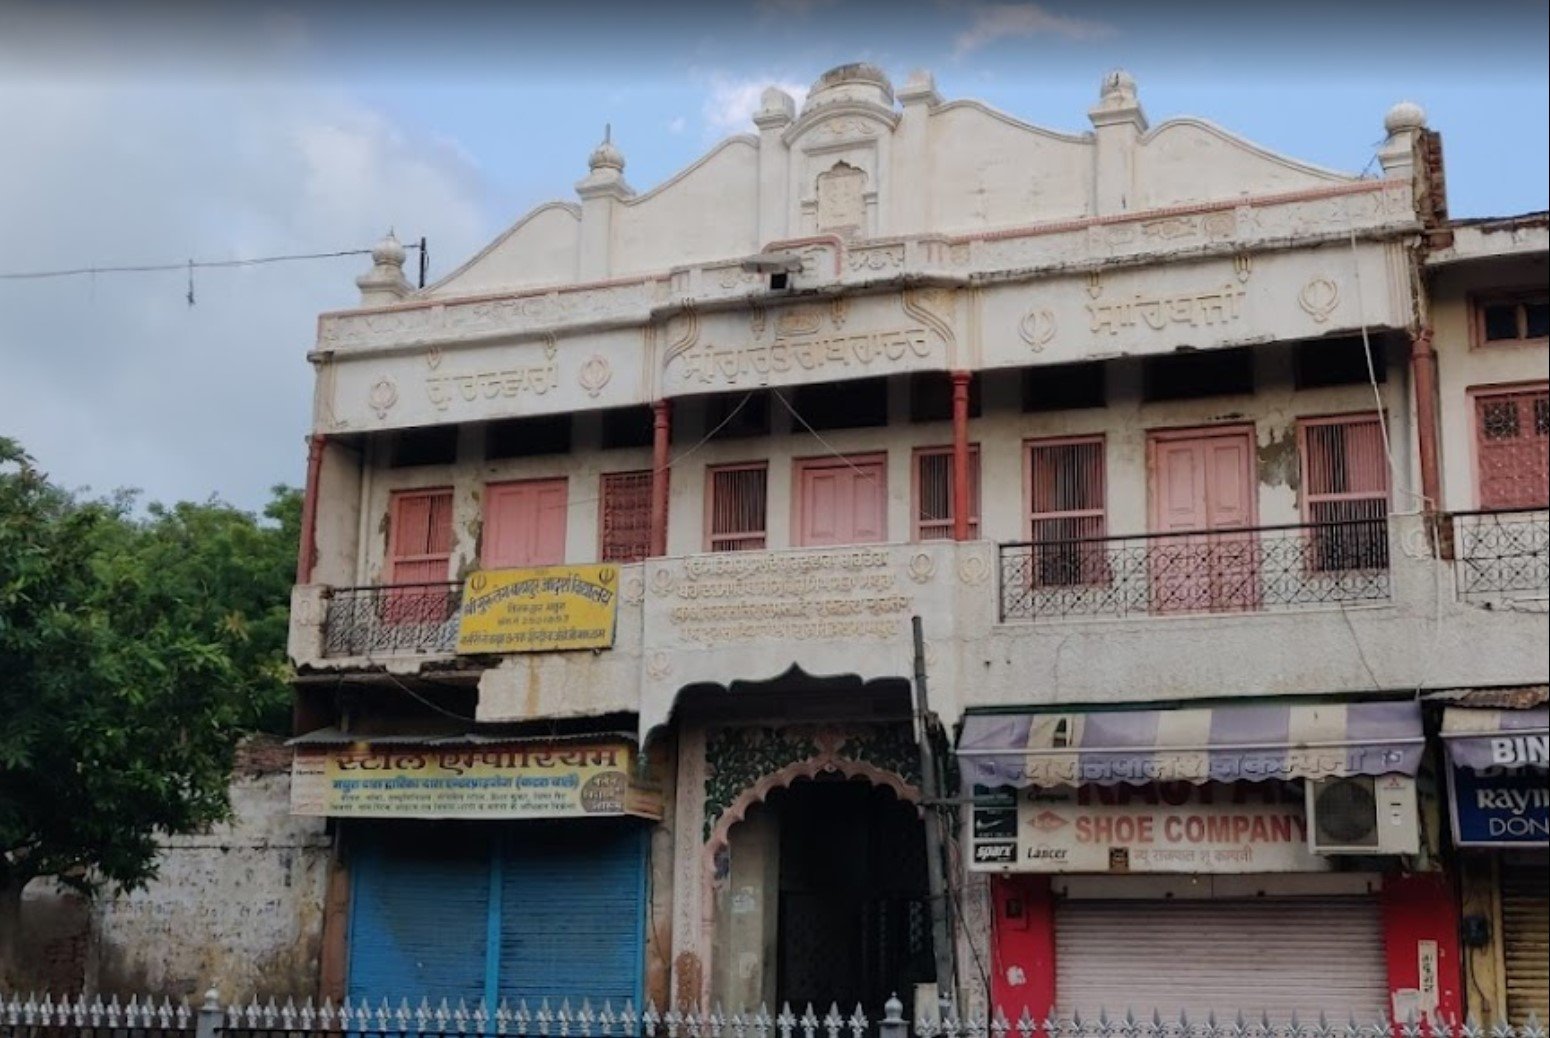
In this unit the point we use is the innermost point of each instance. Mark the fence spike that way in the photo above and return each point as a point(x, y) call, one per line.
point(1502, 1029)
point(762, 1022)
point(715, 1021)
point(1533, 1027)
point(809, 1022)
point(858, 1022)
point(460, 1017)
point(502, 1016)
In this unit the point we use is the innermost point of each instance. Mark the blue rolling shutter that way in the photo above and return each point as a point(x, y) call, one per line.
point(420, 901)
point(573, 912)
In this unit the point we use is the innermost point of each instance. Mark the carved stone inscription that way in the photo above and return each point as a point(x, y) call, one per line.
point(443, 390)
point(1158, 312)
point(755, 362)
point(733, 597)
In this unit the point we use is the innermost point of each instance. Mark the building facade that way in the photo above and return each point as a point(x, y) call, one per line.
point(614, 536)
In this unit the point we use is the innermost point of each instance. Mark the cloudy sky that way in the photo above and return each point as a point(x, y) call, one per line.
point(133, 134)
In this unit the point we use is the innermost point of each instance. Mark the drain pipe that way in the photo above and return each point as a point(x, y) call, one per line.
point(936, 858)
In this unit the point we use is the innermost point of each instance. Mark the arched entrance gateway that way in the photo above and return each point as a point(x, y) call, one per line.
point(811, 857)
point(851, 918)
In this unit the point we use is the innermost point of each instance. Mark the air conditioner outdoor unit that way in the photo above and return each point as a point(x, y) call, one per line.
point(1363, 814)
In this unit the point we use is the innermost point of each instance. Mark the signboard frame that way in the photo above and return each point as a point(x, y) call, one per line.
point(539, 609)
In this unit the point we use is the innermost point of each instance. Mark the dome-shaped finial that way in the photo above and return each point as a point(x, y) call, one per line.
point(1118, 85)
point(605, 155)
point(1407, 115)
point(384, 282)
point(389, 252)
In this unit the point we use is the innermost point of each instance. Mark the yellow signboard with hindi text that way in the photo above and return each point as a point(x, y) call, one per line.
point(489, 780)
point(545, 609)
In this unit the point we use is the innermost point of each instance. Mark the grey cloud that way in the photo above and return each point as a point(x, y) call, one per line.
point(116, 381)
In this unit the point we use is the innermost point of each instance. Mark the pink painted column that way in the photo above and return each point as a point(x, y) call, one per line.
point(960, 455)
point(307, 556)
point(661, 438)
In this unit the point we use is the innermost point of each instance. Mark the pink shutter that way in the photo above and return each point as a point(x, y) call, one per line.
point(842, 501)
point(420, 524)
point(524, 524)
point(1512, 437)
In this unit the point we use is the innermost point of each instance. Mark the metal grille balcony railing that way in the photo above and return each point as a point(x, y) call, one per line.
point(402, 619)
point(1502, 554)
point(1269, 568)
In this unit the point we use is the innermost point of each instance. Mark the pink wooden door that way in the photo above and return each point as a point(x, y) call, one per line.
point(1203, 482)
point(842, 501)
point(419, 553)
point(524, 524)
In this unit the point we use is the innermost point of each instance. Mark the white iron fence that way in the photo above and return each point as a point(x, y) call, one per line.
point(45, 1017)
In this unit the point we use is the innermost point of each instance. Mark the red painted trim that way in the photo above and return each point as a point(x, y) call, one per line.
point(1423, 368)
point(661, 439)
point(1022, 945)
point(960, 455)
point(1421, 907)
point(307, 555)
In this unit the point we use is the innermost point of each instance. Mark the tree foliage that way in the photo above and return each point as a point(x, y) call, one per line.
point(135, 650)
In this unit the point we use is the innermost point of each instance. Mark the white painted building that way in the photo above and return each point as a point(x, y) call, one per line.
point(1144, 423)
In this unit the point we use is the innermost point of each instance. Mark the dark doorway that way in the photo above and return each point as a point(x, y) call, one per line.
point(854, 922)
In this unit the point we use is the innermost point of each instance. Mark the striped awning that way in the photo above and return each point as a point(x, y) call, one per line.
point(1249, 743)
point(1497, 738)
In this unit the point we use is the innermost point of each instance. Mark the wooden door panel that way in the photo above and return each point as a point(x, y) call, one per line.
point(524, 524)
point(841, 503)
point(1204, 484)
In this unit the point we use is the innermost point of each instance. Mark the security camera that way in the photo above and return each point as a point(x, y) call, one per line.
point(773, 263)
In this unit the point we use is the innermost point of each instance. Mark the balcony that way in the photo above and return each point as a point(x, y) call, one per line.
point(405, 619)
point(1264, 569)
point(1499, 556)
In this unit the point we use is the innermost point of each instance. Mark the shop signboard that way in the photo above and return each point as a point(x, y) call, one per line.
point(511, 780)
point(543, 609)
point(1500, 807)
point(1161, 827)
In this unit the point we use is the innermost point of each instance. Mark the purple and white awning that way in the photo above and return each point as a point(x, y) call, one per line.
point(1249, 743)
point(1481, 739)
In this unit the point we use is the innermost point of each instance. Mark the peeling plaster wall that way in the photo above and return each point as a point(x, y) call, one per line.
point(239, 907)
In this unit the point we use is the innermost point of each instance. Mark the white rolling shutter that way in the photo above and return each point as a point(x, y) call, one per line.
point(1264, 955)
point(1526, 940)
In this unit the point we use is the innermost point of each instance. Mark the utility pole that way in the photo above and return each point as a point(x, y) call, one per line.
point(936, 858)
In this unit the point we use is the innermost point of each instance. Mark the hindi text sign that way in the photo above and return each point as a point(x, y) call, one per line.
point(546, 609)
point(512, 780)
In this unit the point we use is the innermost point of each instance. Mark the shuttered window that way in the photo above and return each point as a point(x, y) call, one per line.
point(1512, 430)
point(1277, 955)
point(1066, 511)
point(419, 556)
point(420, 522)
point(1345, 480)
point(625, 522)
point(1526, 940)
point(736, 505)
point(934, 493)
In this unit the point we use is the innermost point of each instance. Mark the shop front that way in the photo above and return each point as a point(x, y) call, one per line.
point(1241, 857)
point(1499, 807)
point(487, 869)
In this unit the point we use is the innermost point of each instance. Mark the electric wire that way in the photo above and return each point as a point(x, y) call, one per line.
point(189, 265)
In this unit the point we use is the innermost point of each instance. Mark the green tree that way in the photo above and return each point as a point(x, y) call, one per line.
point(134, 652)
